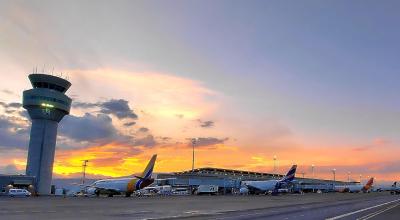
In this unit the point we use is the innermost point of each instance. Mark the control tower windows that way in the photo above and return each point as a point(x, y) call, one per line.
point(59, 88)
point(46, 85)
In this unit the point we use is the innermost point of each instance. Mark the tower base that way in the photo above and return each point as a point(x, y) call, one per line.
point(41, 154)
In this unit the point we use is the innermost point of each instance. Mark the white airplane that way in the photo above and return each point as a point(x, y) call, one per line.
point(123, 185)
point(356, 187)
point(263, 186)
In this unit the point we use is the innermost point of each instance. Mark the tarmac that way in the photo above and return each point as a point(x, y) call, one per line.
point(291, 206)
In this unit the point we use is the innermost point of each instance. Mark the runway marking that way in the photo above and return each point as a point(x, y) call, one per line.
point(193, 212)
point(241, 215)
point(361, 210)
point(371, 215)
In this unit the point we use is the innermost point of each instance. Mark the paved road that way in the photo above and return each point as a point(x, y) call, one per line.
point(387, 214)
point(309, 206)
point(359, 208)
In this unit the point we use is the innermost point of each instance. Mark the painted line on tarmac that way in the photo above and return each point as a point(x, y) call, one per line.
point(371, 215)
point(361, 210)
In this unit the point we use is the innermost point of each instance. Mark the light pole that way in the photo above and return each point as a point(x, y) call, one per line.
point(360, 178)
point(334, 178)
point(334, 174)
point(84, 165)
point(348, 176)
point(193, 144)
point(312, 170)
point(313, 176)
point(274, 164)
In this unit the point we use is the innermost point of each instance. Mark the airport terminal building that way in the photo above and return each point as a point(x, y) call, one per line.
point(229, 181)
point(15, 181)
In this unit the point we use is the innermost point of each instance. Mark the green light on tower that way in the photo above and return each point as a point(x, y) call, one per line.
point(47, 105)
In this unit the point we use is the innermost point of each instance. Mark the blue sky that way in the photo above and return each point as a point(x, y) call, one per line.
point(334, 60)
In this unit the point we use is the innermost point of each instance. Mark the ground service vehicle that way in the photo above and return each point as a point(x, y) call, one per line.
point(207, 189)
point(19, 192)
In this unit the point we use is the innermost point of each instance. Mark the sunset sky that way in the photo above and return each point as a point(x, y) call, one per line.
point(312, 82)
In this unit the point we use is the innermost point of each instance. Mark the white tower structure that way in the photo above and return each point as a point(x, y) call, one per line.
point(47, 105)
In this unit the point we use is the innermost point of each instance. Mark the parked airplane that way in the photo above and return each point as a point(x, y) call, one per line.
point(357, 187)
point(264, 186)
point(123, 185)
point(395, 189)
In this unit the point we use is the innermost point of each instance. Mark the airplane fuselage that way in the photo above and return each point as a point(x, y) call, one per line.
point(263, 186)
point(119, 186)
point(353, 188)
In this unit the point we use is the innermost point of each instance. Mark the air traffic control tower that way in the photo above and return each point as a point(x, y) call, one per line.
point(47, 105)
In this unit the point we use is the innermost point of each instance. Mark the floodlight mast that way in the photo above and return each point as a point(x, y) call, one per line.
point(84, 165)
point(194, 141)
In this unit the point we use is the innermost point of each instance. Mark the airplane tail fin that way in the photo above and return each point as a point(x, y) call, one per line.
point(370, 182)
point(149, 168)
point(290, 175)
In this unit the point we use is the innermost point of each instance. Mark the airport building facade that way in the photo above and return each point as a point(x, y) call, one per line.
point(16, 181)
point(229, 181)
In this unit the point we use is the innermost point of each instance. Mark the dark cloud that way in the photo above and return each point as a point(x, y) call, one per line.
point(143, 129)
point(10, 111)
point(129, 124)
point(77, 131)
point(147, 141)
point(13, 108)
point(208, 141)
point(206, 124)
point(13, 135)
point(88, 127)
point(119, 108)
point(12, 105)
point(116, 107)
point(77, 104)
